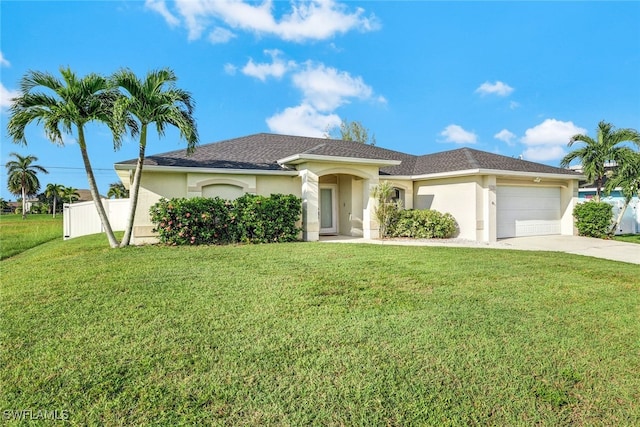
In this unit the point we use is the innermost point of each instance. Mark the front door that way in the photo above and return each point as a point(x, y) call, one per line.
point(328, 210)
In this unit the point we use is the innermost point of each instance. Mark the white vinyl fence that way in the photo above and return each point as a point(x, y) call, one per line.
point(630, 223)
point(82, 218)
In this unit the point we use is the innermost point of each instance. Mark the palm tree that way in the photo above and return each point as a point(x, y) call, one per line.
point(117, 190)
point(63, 105)
point(595, 153)
point(53, 191)
point(23, 177)
point(4, 205)
point(626, 177)
point(157, 100)
point(70, 193)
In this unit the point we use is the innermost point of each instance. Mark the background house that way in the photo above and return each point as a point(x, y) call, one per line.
point(490, 196)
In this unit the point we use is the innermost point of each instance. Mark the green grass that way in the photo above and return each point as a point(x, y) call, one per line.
point(631, 238)
point(319, 334)
point(18, 235)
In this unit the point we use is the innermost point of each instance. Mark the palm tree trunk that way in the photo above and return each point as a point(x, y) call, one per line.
point(113, 242)
point(615, 225)
point(598, 188)
point(54, 205)
point(135, 186)
point(24, 202)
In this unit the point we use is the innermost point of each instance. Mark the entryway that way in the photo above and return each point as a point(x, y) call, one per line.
point(328, 209)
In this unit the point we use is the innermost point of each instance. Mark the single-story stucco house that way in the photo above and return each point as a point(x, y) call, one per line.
point(491, 196)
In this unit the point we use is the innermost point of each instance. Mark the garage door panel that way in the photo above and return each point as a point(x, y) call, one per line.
point(529, 215)
point(527, 211)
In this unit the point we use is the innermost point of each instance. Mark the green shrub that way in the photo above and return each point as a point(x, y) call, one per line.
point(250, 218)
point(192, 221)
point(268, 219)
point(424, 224)
point(593, 219)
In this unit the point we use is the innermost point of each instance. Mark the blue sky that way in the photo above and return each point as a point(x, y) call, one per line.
point(514, 78)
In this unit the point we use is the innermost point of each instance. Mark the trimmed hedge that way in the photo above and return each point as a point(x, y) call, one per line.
point(424, 224)
point(593, 219)
point(215, 221)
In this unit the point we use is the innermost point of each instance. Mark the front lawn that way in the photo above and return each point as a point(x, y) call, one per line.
point(18, 235)
point(319, 334)
point(631, 238)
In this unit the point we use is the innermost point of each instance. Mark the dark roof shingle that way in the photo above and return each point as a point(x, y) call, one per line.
point(262, 152)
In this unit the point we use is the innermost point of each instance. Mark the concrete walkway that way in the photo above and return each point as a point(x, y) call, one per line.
point(598, 248)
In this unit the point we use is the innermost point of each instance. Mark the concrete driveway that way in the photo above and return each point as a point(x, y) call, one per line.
point(598, 248)
point(587, 246)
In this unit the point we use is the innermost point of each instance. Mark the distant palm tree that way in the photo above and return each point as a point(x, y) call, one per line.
point(117, 190)
point(595, 153)
point(71, 194)
point(54, 191)
point(4, 205)
point(627, 178)
point(62, 105)
point(152, 100)
point(23, 177)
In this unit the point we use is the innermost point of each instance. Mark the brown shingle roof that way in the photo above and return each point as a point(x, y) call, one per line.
point(262, 151)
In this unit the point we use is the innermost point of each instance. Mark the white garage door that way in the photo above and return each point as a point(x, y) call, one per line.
point(527, 211)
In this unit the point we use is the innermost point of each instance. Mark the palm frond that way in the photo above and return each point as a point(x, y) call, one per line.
point(34, 79)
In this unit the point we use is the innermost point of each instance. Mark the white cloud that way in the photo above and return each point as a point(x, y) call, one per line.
point(551, 132)
point(3, 61)
point(326, 88)
point(230, 69)
point(547, 141)
point(323, 89)
point(220, 35)
point(456, 134)
point(306, 20)
point(160, 7)
point(497, 88)
point(506, 136)
point(6, 95)
point(543, 153)
point(513, 105)
point(303, 120)
point(277, 68)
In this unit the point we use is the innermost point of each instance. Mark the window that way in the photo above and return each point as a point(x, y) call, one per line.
point(397, 194)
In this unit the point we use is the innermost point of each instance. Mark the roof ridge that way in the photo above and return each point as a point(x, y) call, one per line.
point(310, 150)
point(470, 158)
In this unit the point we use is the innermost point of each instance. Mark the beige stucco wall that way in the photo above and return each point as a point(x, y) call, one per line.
point(458, 196)
point(568, 200)
point(267, 185)
point(153, 187)
point(345, 205)
point(486, 209)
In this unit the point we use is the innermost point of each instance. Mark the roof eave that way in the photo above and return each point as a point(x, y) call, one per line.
point(186, 169)
point(497, 172)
